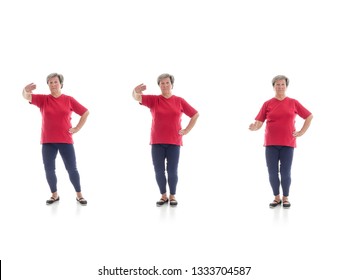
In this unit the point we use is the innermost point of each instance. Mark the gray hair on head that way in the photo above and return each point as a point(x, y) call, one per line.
point(166, 75)
point(280, 77)
point(60, 77)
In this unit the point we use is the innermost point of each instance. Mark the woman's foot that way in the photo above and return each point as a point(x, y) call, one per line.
point(286, 203)
point(81, 201)
point(173, 201)
point(52, 200)
point(275, 203)
point(162, 201)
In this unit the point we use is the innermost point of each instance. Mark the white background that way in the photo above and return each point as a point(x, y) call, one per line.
point(223, 55)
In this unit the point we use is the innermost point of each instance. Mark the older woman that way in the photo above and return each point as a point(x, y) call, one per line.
point(56, 109)
point(280, 136)
point(166, 132)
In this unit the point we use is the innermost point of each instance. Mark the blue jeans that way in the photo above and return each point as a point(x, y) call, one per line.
point(279, 161)
point(67, 152)
point(169, 154)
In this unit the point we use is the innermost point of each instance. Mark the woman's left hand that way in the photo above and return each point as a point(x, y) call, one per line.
point(297, 133)
point(182, 132)
point(73, 130)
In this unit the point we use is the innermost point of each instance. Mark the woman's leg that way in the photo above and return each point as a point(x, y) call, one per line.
point(49, 154)
point(158, 158)
point(67, 153)
point(286, 160)
point(172, 155)
point(272, 162)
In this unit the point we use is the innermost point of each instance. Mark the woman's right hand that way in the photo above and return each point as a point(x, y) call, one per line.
point(137, 92)
point(27, 91)
point(255, 126)
point(140, 88)
point(30, 87)
point(252, 127)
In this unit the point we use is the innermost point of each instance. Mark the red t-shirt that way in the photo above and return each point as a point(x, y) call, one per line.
point(56, 116)
point(167, 117)
point(280, 120)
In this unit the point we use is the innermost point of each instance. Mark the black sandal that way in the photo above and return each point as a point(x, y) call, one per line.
point(275, 203)
point(173, 202)
point(82, 201)
point(286, 204)
point(161, 202)
point(52, 200)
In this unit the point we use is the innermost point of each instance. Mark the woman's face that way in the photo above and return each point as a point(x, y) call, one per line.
point(54, 85)
point(280, 86)
point(165, 85)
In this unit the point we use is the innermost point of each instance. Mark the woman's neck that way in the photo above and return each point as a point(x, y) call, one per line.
point(280, 96)
point(56, 94)
point(166, 94)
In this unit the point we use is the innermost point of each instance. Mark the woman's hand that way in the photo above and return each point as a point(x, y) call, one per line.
point(137, 92)
point(140, 88)
point(255, 126)
point(297, 133)
point(30, 87)
point(182, 132)
point(73, 130)
point(27, 91)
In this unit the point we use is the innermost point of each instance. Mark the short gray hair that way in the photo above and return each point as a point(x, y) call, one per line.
point(60, 77)
point(280, 77)
point(166, 75)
